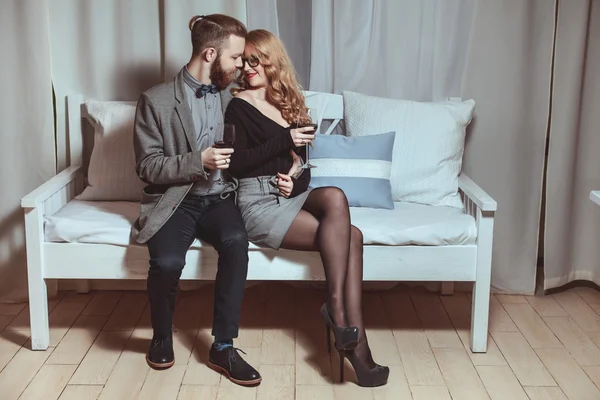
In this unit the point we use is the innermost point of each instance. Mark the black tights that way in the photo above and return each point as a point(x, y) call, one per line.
point(324, 225)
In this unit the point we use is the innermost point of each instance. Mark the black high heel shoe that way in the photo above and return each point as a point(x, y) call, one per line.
point(367, 377)
point(346, 338)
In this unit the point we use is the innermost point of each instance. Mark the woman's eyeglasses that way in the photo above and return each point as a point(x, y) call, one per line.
point(252, 61)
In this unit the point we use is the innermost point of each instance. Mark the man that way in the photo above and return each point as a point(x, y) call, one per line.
point(185, 198)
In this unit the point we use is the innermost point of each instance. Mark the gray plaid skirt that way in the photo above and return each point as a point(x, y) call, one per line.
point(267, 215)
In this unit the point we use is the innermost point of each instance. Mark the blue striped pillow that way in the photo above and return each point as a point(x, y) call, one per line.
point(360, 166)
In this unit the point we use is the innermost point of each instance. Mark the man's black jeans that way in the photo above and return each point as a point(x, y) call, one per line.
point(212, 220)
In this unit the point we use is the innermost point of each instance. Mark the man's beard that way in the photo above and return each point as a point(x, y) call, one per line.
point(219, 77)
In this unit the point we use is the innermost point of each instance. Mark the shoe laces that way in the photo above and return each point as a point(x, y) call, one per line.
point(232, 352)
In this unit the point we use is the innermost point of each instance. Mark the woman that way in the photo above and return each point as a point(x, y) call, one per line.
point(268, 111)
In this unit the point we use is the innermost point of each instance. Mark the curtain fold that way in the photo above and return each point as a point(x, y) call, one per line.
point(391, 48)
point(572, 226)
point(257, 18)
point(107, 50)
point(508, 74)
point(27, 135)
point(294, 18)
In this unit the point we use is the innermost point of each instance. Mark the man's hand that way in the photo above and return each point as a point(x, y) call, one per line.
point(213, 158)
point(284, 184)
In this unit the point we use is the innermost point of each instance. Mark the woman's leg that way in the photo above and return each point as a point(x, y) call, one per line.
point(354, 278)
point(324, 225)
point(353, 295)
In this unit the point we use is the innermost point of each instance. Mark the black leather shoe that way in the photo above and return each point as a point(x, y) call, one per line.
point(160, 355)
point(229, 362)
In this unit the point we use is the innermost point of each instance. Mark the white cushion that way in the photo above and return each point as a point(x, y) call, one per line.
point(111, 173)
point(415, 224)
point(102, 222)
point(428, 148)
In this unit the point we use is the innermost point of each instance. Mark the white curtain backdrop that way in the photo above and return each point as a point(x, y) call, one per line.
point(108, 50)
point(572, 235)
point(27, 132)
point(508, 74)
point(391, 48)
point(498, 53)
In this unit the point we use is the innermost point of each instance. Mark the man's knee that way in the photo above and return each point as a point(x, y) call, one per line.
point(235, 239)
point(233, 252)
point(171, 264)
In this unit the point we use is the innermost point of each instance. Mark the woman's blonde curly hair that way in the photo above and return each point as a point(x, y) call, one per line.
point(283, 90)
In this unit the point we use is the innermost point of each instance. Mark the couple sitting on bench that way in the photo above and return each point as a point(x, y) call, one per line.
point(230, 170)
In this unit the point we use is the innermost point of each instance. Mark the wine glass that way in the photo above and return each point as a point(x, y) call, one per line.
point(312, 113)
point(224, 139)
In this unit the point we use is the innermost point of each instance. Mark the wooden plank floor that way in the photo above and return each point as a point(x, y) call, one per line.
point(540, 348)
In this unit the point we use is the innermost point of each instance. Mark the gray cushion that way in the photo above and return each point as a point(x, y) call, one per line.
point(360, 166)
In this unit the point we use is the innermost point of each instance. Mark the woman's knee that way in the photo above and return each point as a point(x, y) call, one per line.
point(335, 198)
point(356, 237)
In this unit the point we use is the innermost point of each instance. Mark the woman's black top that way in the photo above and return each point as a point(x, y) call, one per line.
point(262, 146)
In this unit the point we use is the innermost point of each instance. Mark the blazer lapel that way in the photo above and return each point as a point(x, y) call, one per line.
point(184, 113)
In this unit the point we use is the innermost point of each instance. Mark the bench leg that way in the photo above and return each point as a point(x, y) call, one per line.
point(447, 288)
point(481, 290)
point(38, 292)
point(38, 316)
point(82, 286)
point(479, 318)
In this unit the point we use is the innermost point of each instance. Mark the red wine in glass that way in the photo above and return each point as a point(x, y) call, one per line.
point(312, 113)
point(224, 139)
point(307, 125)
point(224, 144)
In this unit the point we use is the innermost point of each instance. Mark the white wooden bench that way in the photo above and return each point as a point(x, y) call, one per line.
point(86, 261)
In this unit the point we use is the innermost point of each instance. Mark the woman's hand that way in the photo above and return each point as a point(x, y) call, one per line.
point(296, 164)
point(284, 184)
point(300, 137)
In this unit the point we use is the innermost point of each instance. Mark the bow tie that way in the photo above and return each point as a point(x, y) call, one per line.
point(203, 89)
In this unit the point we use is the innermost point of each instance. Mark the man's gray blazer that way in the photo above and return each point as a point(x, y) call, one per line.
point(164, 136)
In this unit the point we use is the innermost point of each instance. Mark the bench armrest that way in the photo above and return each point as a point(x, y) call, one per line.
point(477, 195)
point(49, 188)
point(595, 196)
